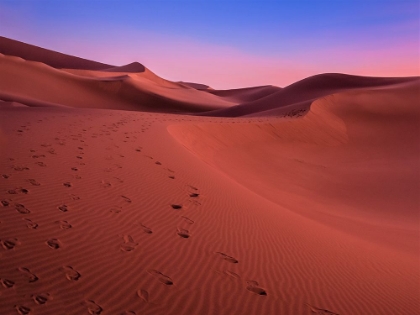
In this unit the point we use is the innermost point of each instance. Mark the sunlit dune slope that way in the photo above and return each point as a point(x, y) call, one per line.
point(27, 80)
point(352, 162)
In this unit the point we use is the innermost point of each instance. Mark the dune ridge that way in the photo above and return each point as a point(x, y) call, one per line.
point(125, 193)
point(52, 58)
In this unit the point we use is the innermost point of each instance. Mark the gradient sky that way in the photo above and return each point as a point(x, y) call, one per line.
point(229, 43)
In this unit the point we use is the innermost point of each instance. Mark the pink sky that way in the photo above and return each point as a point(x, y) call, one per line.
point(184, 57)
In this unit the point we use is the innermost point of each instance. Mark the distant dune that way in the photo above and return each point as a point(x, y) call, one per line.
point(54, 59)
point(125, 193)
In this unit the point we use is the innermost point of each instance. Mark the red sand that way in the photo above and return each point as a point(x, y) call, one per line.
point(307, 202)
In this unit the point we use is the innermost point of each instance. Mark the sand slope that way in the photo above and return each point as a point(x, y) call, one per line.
point(354, 156)
point(301, 94)
point(309, 208)
point(27, 80)
point(52, 58)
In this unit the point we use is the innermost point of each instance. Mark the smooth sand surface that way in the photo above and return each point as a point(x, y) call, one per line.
point(124, 193)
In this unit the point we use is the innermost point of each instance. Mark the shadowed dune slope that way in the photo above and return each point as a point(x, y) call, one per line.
point(246, 94)
point(197, 86)
point(133, 67)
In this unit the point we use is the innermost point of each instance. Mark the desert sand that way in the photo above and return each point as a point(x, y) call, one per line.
point(125, 193)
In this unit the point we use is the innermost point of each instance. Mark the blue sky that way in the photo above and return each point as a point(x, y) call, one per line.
point(227, 43)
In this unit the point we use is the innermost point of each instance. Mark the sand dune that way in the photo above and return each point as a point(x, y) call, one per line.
point(343, 150)
point(132, 67)
point(197, 86)
point(114, 201)
point(246, 94)
point(304, 92)
point(54, 59)
point(145, 91)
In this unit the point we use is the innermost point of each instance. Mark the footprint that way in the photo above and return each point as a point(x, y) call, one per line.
point(67, 184)
point(171, 177)
point(253, 287)
point(105, 184)
point(74, 197)
point(129, 244)
point(20, 168)
point(126, 199)
point(228, 258)
point(41, 299)
point(7, 283)
point(116, 209)
point(34, 182)
point(146, 229)
point(64, 225)
point(143, 294)
point(320, 311)
point(63, 208)
point(93, 308)
point(5, 202)
point(71, 273)
point(9, 243)
point(176, 206)
point(79, 157)
point(192, 187)
point(158, 163)
point(74, 169)
point(161, 277)
point(183, 233)
point(21, 209)
point(119, 180)
point(5, 176)
point(17, 191)
point(30, 224)
point(42, 164)
point(194, 195)
point(54, 243)
point(23, 310)
point(188, 220)
point(27, 273)
point(232, 274)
